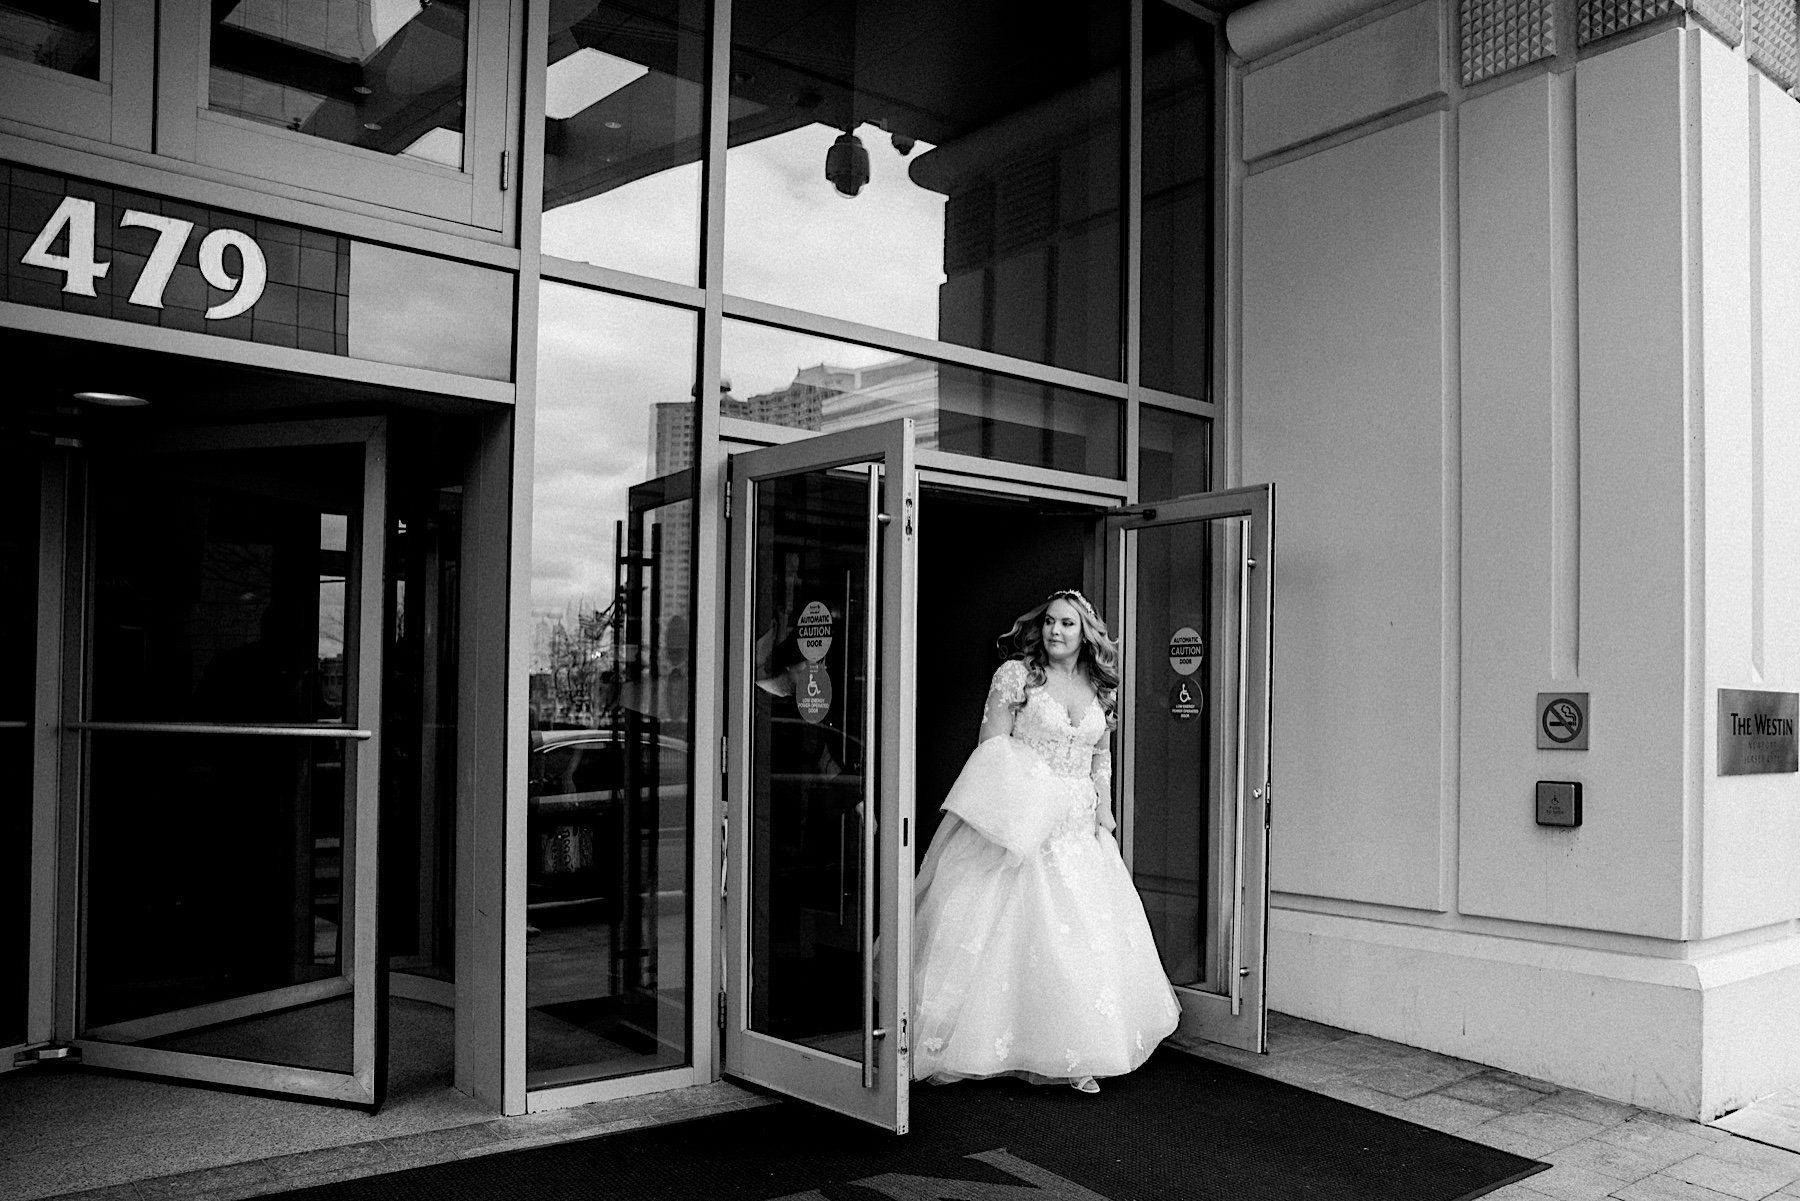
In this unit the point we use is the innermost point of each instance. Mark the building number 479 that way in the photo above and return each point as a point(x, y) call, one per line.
point(80, 268)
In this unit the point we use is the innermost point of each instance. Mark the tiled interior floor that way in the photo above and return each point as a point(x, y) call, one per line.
point(96, 1136)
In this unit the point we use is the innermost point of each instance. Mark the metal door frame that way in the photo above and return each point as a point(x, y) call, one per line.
point(1237, 1015)
point(365, 1084)
point(875, 1090)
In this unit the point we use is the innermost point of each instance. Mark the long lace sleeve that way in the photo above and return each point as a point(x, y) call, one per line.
point(1102, 777)
point(1003, 698)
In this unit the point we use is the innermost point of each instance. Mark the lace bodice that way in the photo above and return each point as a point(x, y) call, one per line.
point(1067, 744)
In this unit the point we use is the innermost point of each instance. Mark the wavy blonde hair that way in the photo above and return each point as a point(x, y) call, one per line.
point(1099, 652)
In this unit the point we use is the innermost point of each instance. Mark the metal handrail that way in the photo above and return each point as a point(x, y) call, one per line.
point(339, 733)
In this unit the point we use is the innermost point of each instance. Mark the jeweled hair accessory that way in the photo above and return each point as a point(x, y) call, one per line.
point(1072, 594)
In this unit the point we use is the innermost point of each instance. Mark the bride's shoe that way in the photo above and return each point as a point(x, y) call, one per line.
point(1084, 1085)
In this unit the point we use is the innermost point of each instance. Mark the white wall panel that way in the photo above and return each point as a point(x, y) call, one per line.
point(1633, 444)
point(1382, 66)
point(1520, 423)
point(1343, 410)
point(1750, 844)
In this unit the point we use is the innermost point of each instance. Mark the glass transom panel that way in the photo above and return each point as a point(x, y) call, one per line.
point(386, 75)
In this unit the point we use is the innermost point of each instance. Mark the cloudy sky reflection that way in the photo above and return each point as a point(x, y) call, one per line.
point(603, 363)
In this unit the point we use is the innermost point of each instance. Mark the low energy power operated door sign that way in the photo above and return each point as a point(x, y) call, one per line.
point(1558, 803)
point(1562, 721)
point(1757, 732)
point(1185, 700)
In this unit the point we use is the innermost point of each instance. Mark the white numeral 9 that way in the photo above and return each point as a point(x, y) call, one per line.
point(248, 286)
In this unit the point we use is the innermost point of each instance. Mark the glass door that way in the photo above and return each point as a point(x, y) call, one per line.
point(1199, 574)
point(819, 868)
point(227, 758)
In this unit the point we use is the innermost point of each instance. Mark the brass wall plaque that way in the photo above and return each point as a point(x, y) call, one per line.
point(1757, 732)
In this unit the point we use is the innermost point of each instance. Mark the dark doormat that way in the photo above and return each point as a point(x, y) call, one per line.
point(1180, 1127)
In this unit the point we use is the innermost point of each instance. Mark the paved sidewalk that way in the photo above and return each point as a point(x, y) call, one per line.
point(1597, 1149)
point(103, 1138)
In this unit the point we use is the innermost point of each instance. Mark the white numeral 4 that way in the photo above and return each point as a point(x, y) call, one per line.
point(78, 266)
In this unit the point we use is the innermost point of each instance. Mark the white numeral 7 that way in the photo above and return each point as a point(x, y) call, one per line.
point(171, 235)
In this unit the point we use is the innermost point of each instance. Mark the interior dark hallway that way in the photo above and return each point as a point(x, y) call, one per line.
point(983, 560)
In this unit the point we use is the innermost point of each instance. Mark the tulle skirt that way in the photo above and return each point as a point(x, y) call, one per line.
point(1041, 966)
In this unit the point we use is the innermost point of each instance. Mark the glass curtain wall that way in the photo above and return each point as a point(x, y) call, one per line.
point(624, 119)
point(925, 211)
point(609, 807)
point(950, 170)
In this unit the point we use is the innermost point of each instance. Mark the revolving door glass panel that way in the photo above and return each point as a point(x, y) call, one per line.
point(227, 915)
point(18, 682)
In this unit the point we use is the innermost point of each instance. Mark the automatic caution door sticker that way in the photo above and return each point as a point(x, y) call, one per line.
point(813, 634)
point(1186, 700)
point(812, 691)
point(1185, 651)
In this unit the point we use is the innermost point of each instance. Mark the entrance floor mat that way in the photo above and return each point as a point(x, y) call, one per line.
point(1179, 1127)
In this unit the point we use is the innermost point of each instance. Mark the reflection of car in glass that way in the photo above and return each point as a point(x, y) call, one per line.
point(585, 791)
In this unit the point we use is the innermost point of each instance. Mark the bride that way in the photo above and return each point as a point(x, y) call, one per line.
point(1032, 956)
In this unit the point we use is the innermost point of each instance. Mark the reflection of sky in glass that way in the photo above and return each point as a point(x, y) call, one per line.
point(603, 364)
point(585, 77)
point(792, 240)
point(650, 226)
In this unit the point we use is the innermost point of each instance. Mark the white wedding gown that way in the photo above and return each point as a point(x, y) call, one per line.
point(1035, 961)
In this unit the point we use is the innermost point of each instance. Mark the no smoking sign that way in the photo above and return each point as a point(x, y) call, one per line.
point(1562, 721)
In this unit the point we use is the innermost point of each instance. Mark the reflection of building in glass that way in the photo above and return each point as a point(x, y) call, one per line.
point(572, 677)
point(796, 406)
point(672, 450)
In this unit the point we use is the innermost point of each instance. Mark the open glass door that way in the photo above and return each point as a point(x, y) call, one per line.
point(1199, 572)
point(226, 759)
point(818, 909)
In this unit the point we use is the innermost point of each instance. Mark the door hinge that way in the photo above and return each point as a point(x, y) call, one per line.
point(721, 1011)
point(505, 172)
point(1268, 792)
point(724, 754)
point(727, 501)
